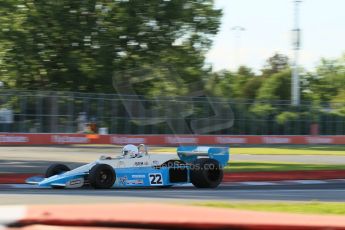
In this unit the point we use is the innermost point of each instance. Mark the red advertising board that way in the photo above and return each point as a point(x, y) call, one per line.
point(168, 140)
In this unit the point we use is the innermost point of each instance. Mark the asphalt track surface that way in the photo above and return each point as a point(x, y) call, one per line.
point(36, 159)
point(23, 194)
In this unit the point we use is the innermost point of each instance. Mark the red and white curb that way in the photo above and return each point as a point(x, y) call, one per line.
point(158, 216)
point(285, 182)
point(11, 214)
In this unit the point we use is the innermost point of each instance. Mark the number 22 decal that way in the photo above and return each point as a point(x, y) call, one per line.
point(156, 179)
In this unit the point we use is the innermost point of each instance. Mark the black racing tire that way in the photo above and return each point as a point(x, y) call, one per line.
point(102, 176)
point(58, 187)
point(206, 173)
point(56, 169)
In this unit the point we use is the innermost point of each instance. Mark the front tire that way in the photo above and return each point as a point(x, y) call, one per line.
point(102, 176)
point(206, 173)
point(56, 169)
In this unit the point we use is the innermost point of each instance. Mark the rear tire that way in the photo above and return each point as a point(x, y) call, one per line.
point(102, 176)
point(56, 169)
point(206, 173)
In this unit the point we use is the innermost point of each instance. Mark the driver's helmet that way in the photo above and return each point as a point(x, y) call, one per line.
point(130, 151)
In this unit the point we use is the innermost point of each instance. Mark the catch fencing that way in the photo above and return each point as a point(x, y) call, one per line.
point(70, 112)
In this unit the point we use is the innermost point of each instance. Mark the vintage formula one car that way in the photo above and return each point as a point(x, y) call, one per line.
point(201, 166)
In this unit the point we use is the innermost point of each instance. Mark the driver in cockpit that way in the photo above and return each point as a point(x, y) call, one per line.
point(132, 151)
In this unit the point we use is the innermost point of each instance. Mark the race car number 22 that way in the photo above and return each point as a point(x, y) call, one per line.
point(156, 179)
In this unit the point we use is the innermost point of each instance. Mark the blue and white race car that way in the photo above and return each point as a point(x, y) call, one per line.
point(201, 166)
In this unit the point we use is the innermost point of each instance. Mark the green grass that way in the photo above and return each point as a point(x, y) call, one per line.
point(295, 207)
point(163, 150)
point(276, 150)
point(290, 150)
point(259, 166)
point(249, 166)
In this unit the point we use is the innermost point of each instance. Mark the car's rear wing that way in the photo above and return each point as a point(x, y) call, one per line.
point(191, 153)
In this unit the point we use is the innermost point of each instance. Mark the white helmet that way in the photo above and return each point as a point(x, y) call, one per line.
point(130, 151)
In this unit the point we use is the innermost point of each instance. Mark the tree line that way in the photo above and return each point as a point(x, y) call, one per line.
point(157, 46)
point(78, 45)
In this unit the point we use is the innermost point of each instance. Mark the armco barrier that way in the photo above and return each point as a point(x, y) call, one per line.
point(167, 140)
point(160, 216)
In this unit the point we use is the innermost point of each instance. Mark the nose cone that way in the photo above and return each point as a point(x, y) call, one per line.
point(48, 181)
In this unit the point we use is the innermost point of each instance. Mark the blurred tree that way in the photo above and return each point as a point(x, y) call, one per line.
point(245, 71)
point(244, 78)
point(242, 84)
point(285, 117)
point(220, 84)
point(77, 45)
point(338, 103)
point(276, 87)
point(251, 87)
point(328, 81)
point(275, 64)
point(274, 90)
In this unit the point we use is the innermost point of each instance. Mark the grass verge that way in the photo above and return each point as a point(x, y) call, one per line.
point(336, 208)
point(290, 150)
point(275, 150)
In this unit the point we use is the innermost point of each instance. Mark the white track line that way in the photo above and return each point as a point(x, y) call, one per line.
point(308, 181)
